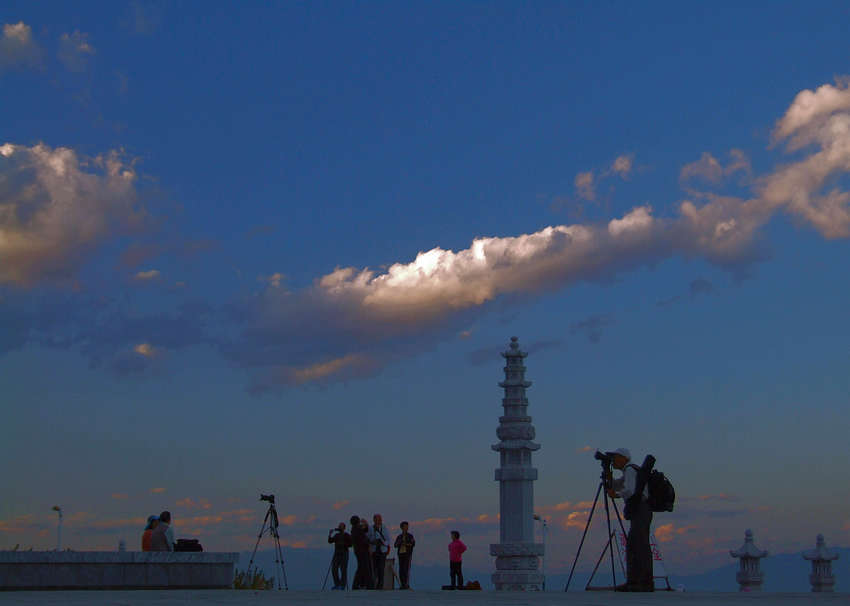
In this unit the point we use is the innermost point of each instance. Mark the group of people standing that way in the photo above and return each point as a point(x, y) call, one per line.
point(372, 546)
point(158, 534)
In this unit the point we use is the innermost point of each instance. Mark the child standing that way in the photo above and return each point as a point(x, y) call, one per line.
point(456, 549)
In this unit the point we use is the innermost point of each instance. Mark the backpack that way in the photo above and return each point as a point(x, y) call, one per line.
point(188, 545)
point(662, 495)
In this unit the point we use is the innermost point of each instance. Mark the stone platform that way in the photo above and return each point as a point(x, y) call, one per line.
point(21, 570)
point(412, 598)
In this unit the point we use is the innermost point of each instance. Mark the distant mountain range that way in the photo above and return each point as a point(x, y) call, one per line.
point(306, 569)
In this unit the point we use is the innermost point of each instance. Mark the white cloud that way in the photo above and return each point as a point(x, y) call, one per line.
point(363, 310)
point(440, 281)
point(353, 320)
point(819, 119)
point(811, 106)
point(273, 280)
point(75, 50)
point(17, 47)
point(584, 186)
point(586, 182)
point(709, 169)
point(622, 165)
point(146, 350)
point(55, 208)
point(150, 274)
point(348, 366)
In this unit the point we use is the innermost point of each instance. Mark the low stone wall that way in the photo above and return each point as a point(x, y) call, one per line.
point(116, 570)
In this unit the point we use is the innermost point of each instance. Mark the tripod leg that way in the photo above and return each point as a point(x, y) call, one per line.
point(586, 526)
point(619, 518)
point(328, 573)
point(610, 545)
point(623, 529)
point(257, 544)
point(599, 561)
point(278, 560)
point(282, 564)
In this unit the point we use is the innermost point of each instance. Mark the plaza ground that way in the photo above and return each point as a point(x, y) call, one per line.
point(407, 598)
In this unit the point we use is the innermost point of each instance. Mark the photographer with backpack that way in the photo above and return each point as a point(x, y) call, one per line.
point(633, 488)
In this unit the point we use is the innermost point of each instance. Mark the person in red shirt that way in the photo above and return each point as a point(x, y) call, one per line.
point(456, 549)
point(146, 535)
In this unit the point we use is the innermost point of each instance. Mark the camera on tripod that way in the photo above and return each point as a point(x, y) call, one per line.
point(270, 525)
point(607, 458)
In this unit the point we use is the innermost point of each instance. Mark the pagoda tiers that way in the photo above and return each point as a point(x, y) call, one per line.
point(517, 555)
point(749, 576)
point(821, 577)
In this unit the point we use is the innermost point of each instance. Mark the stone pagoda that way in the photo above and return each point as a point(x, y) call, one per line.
point(517, 555)
point(821, 578)
point(749, 576)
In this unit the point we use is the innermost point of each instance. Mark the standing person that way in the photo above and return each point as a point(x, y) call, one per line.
point(363, 574)
point(146, 535)
point(370, 566)
point(339, 564)
point(380, 541)
point(631, 486)
point(404, 544)
point(162, 537)
point(456, 549)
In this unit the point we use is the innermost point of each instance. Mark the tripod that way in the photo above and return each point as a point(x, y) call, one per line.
point(272, 521)
point(328, 573)
point(604, 483)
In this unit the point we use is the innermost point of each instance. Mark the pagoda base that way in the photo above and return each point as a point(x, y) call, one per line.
point(517, 566)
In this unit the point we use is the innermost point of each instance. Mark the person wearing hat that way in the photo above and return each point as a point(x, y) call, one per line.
point(638, 551)
point(162, 537)
point(146, 535)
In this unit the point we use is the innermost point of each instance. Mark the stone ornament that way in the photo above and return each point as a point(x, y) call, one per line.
point(821, 578)
point(749, 576)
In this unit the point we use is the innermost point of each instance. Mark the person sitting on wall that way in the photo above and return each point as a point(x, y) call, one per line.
point(162, 537)
point(153, 521)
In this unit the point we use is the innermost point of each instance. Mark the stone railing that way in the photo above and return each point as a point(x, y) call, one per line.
point(116, 570)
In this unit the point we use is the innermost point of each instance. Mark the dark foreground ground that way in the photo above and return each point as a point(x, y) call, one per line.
point(407, 598)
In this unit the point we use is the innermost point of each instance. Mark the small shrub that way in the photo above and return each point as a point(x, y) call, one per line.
point(255, 580)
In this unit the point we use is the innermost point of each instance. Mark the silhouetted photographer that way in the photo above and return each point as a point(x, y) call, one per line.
point(341, 541)
point(633, 488)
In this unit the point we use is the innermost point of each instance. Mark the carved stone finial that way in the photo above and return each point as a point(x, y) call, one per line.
point(749, 576)
point(821, 578)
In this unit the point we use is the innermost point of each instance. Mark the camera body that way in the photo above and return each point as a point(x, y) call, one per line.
point(267, 497)
point(607, 458)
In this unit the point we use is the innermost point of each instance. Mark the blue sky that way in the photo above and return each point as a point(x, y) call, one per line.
point(215, 277)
